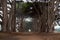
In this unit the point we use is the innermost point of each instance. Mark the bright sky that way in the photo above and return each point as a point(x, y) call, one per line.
point(57, 26)
point(24, 0)
point(38, 0)
point(28, 0)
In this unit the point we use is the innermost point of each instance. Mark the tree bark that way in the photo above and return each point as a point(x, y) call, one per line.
point(5, 16)
point(13, 13)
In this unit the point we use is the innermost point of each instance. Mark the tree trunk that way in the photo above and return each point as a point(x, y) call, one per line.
point(13, 13)
point(5, 16)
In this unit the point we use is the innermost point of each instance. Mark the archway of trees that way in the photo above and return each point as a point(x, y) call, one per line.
point(29, 16)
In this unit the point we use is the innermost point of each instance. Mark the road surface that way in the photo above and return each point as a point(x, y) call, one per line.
point(8, 36)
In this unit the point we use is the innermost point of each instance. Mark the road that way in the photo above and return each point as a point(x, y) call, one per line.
point(8, 36)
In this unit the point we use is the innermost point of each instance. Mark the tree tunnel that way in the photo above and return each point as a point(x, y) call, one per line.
point(26, 16)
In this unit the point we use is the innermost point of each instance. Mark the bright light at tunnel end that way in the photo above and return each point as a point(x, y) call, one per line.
point(28, 19)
